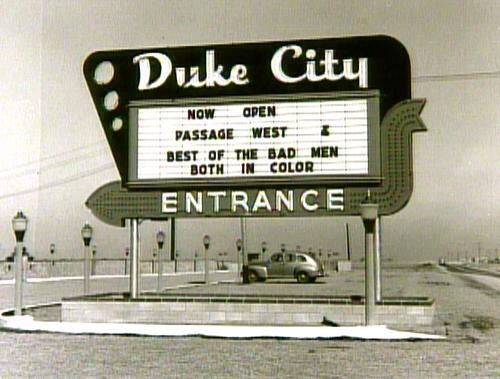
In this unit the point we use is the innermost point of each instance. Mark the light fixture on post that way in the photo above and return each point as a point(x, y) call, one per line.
point(19, 225)
point(264, 249)
point(206, 245)
point(87, 237)
point(283, 247)
point(160, 240)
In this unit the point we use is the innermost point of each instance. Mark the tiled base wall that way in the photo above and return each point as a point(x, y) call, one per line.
point(243, 314)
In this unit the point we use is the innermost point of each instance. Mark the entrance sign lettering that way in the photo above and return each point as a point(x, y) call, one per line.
point(316, 139)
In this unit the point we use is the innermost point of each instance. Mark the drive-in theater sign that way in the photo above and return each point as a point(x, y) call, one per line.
point(290, 128)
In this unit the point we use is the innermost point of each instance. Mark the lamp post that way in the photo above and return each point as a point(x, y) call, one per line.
point(160, 240)
point(224, 255)
point(244, 269)
point(298, 248)
point(239, 246)
point(283, 247)
point(206, 245)
point(219, 261)
point(19, 225)
point(127, 252)
point(87, 237)
point(94, 251)
point(52, 250)
point(264, 249)
point(369, 214)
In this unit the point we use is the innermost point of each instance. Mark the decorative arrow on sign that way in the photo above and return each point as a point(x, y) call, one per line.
point(397, 128)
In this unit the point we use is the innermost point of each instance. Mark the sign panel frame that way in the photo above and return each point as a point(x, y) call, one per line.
point(372, 175)
point(364, 67)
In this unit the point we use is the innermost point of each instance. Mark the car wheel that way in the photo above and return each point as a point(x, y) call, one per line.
point(252, 276)
point(302, 277)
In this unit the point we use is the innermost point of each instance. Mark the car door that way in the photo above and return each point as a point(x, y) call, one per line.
point(276, 265)
point(290, 263)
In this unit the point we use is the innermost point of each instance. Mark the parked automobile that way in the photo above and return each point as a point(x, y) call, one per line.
point(300, 266)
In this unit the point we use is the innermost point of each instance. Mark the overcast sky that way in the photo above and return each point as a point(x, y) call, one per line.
point(54, 153)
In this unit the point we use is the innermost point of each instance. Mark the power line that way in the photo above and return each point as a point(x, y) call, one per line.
point(457, 77)
point(40, 163)
point(45, 164)
point(59, 182)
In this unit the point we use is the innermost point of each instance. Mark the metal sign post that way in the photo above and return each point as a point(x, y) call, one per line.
point(368, 212)
point(135, 258)
point(377, 260)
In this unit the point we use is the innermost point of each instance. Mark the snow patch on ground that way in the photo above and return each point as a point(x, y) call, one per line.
point(377, 332)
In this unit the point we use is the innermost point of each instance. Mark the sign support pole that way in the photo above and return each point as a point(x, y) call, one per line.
point(377, 258)
point(244, 250)
point(369, 214)
point(172, 239)
point(134, 258)
point(347, 243)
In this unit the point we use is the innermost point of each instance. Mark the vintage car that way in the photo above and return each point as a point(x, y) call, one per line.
point(300, 266)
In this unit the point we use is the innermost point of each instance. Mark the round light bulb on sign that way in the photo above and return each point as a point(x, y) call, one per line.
point(104, 73)
point(117, 124)
point(111, 100)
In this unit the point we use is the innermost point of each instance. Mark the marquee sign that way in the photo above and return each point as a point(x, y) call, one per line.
point(230, 129)
point(327, 138)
